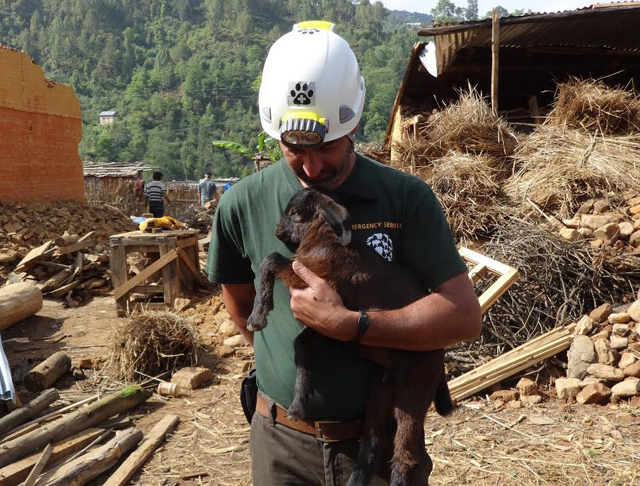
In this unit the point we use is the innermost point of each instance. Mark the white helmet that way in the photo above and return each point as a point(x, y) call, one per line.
point(312, 91)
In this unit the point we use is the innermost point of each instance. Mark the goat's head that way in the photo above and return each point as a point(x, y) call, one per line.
point(307, 207)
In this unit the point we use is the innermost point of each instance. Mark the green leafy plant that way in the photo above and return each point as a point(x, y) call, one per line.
point(266, 149)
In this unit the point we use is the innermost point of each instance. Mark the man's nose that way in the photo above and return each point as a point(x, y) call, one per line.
point(312, 163)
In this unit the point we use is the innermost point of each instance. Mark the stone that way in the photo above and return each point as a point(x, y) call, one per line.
point(567, 387)
point(600, 206)
point(600, 313)
point(585, 233)
point(618, 343)
point(590, 380)
point(181, 304)
point(236, 341)
point(634, 239)
point(606, 372)
point(192, 377)
point(526, 387)
point(585, 208)
point(634, 311)
point(228, 328)
point(626, 359)
point(531, 399)
point(584, 326)
point(594, 221)
point(634, 201)
point(608, 232)
point(634, 209)
point(224, 351)
point(626, 229)
point(619, 319)
point(580, 356)
point(504, 395)
point(627, 388)
point(572, 223)
point(596, 393)
point(632, 370)
point(569, 234)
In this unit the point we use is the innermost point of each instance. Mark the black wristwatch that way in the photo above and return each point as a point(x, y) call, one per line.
point(363, 325)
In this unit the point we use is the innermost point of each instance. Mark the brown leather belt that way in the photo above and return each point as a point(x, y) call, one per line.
point(323, 430)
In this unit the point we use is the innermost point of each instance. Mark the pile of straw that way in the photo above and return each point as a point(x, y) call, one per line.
point(469, 190)
point(465, 127)
point(558, 168)
point(592, 106)
point(559, 282)
point(150, 344)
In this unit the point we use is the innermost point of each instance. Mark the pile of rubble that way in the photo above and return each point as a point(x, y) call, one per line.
point(603, 226)
point(25, 226)
point(604, 358)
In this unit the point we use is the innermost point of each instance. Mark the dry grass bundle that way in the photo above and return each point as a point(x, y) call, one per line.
point(592, 105)
point(469, 190)
point(466, 126)
point(558, 168)
point(152, 343)
point(559, 282)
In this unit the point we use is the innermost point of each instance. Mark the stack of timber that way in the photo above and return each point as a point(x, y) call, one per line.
point(508, 364)
point(71, 266)
point(76, 444)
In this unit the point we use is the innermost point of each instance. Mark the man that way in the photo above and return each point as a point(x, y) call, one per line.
point(311, 99)
point(156, 194)
point(207, 190)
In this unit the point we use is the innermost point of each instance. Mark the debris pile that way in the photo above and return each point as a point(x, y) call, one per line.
point(604, 358)
point(74, 267)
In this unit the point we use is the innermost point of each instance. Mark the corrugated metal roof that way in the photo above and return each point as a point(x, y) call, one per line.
point(108, 113)
point(7, 391)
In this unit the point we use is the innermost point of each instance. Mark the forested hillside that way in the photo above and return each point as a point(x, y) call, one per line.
point(182, 73)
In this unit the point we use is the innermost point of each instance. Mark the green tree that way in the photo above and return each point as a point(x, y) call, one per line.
point(446, 11)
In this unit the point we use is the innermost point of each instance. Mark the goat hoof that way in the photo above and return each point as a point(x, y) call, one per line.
point(256, 323)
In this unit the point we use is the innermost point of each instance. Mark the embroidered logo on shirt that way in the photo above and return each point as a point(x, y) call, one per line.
point(382, 244)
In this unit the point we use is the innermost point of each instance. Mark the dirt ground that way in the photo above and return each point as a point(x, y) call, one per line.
point(482, 443)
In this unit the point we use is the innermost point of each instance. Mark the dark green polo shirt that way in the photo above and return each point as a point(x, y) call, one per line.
point(394, 213)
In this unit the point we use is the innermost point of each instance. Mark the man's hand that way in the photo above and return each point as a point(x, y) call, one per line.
point(321, 308)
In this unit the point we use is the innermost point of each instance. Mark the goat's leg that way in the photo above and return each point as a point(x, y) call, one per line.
point(375, 437)
point(263, 302)
point(304, 345)
point(412, 399)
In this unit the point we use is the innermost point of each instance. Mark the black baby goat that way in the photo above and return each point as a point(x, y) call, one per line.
point(319, 231)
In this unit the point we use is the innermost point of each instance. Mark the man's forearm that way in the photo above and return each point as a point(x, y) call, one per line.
point(238, 300)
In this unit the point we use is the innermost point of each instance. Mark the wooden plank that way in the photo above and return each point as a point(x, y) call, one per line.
point(37, 469)
point(477, 272)
point(496, 290)
point(34, 255)
point(159, 264)
point(18, 471)
point(189, 264)
point(508, 364)
point(86, 241)
point(495, 50)
point(138, 457)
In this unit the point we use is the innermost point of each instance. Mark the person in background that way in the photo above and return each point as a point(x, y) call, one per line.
point(311, 100)
point(156, 194)
point(207, 190)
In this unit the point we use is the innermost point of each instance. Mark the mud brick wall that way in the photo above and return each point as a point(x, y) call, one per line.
point(40, 128)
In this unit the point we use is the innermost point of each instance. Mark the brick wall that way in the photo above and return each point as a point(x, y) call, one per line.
point(40, 128)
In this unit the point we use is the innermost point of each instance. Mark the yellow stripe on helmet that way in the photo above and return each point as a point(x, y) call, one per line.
point(315, 24)
point(303, 114)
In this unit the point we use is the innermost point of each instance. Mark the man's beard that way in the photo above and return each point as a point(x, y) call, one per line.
point(336, 173)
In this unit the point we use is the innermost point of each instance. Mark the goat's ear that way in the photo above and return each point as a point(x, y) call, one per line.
point(338, 218)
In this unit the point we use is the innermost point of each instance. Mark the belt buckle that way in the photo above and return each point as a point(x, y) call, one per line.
point(318, 426)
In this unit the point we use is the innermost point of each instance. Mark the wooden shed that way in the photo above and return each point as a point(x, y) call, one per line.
point(113, 183)
point(535, 53)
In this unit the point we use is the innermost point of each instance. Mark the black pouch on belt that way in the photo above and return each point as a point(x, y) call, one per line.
point(249, 394)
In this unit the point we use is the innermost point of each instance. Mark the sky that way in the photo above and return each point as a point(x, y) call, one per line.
point(484, 6)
